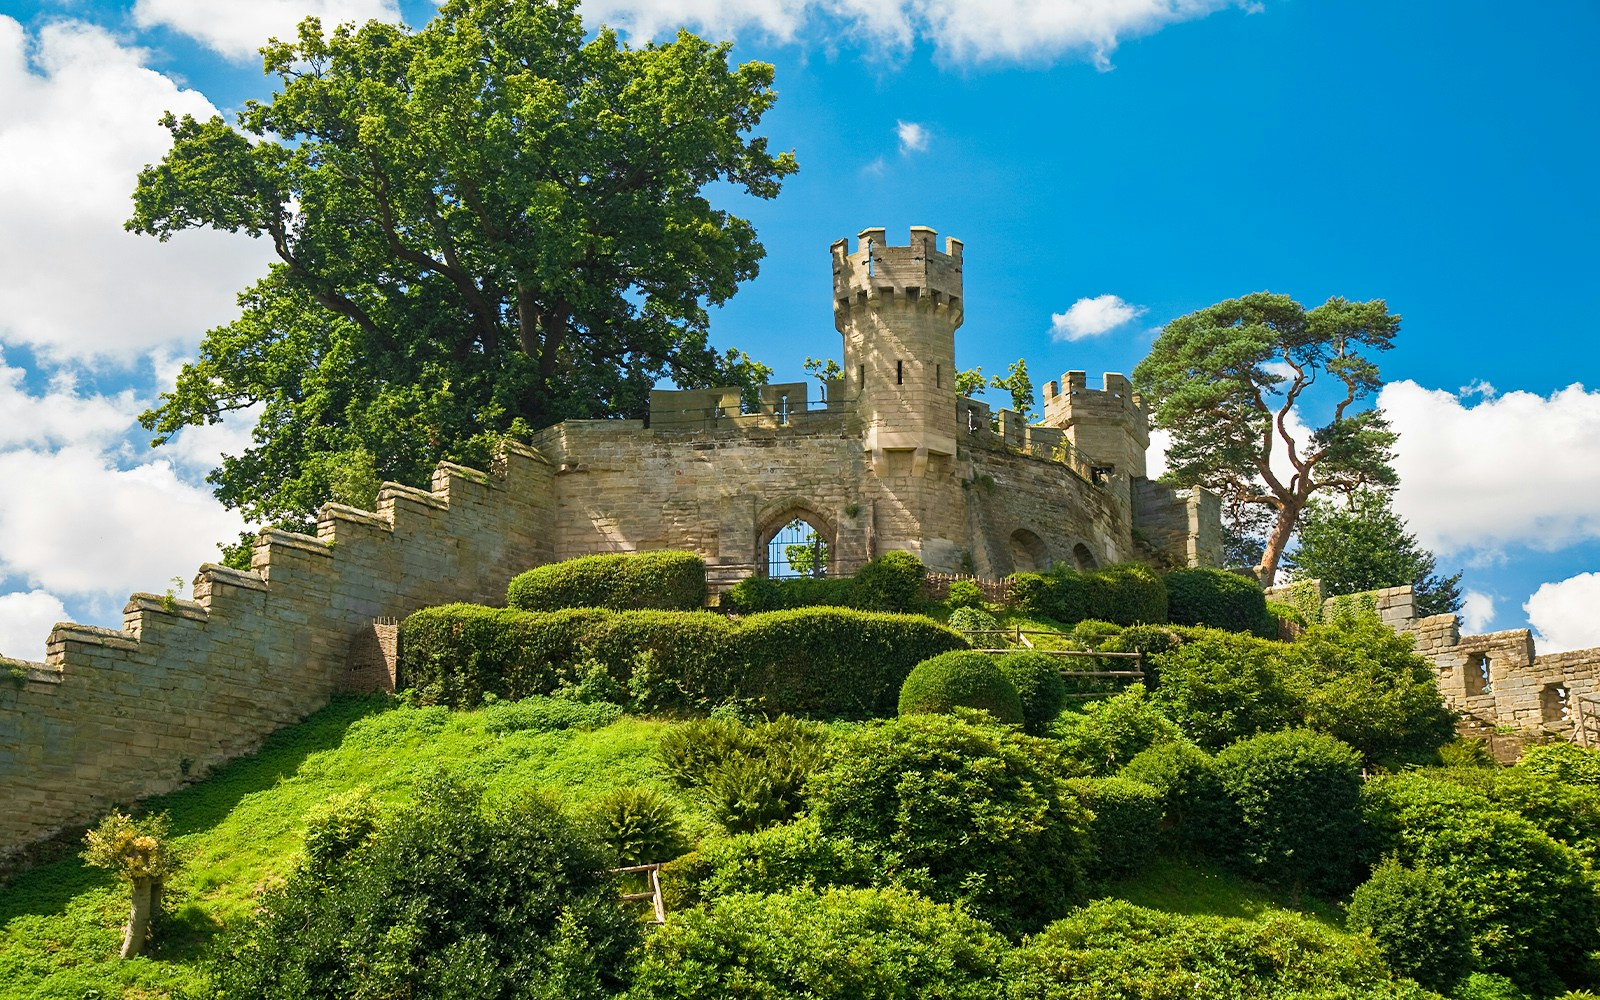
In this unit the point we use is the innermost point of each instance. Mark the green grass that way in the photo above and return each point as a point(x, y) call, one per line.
point(240, 830)
point(1193, 888)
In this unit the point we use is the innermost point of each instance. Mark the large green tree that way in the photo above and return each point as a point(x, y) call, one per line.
point(481, 227)
point(1225, 381)
point(1360, 543)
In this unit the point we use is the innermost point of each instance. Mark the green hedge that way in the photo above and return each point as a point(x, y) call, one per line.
point(1217, 598)
point(1126, 830)
point(1125, 594)
point(811, 661)
point(891, 582)
point(835, 662)
point(962, 678)
point(665, 581)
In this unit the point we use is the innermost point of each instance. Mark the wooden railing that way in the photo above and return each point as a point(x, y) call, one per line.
point(653, 877)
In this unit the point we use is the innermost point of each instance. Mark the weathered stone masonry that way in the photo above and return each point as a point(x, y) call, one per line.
point(893, 459)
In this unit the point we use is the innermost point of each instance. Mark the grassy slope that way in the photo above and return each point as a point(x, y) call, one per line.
point(60, 925)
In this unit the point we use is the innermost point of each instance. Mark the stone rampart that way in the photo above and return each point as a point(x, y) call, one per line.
point(113, 716)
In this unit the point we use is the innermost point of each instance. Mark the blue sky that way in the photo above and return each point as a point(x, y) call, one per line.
point(1110, 164)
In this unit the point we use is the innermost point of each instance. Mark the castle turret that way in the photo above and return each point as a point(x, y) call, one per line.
point(898, 308)
point(1109, 429)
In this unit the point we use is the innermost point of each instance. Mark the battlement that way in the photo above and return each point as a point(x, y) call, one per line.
point(1072, 393)
point(777, 405)
point(916, 275)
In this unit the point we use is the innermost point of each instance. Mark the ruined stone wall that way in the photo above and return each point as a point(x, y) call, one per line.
point(113, 716)
point(1026, 513)
point(1186, 525)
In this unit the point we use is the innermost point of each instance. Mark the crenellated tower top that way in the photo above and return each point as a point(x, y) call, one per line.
point(880, 275)
point(1110, 427)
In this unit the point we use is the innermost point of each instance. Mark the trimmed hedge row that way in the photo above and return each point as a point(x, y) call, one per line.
point(1220, 599)
point(891, 582)
point(1127, 594)
point(812, 661)
point(665, 581)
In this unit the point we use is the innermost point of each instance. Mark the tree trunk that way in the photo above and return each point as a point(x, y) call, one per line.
point(146, 897)
point(1277, 541)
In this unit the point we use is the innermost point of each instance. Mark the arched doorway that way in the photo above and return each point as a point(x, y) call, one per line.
point(1084, 558)
point(1028, 552)
point(797, 544)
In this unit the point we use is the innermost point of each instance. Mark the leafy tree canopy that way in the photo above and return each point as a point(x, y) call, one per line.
point(482, 227)
point(1362, 544)
point(1225, 381)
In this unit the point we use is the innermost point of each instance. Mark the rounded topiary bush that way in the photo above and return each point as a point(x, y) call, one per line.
point(964, 594)
point(1194, 806)
point(973, 620)
point(1126, 830)
point(660, 581)
point(1036, 677)
point(891, 582)
point(1419, 923)
point(965, 679)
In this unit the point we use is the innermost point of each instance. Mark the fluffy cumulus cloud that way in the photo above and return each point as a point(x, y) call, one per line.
point(1563, 614)
point(1477, 611)
point(1091, 317)
point(25, 623)
point(998, 31)
point(238, 30)
point(1480, 473)
point(913, 137)
point(77, 123)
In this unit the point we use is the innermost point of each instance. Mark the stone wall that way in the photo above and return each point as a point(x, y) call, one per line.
point(113, 716)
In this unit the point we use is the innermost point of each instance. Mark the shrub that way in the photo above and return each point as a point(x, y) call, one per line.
point(1297, 808)
point(834, 662)
point(1126, 829)
point(751, 776)
point(1092, 633)
point(756, 594)
point(973, 620)
point(1417, 921)
point(667, 660)
point(1569, 814)
point(1364, 685)
point(1222, 686)
point(1149, 640)
point(1113, 950)
point(1127, 594)
point(639, 826)
point(1110, 733)
point(338, 825)
point(1467, 752)
point(963, 678)
point(981, 808)
point(1217, 598)
point(449, 898)
point(1572, 764)
point(1531, 901)
point(783, 858)
point(1036, 677)
point(964, 594)
point(1030, 594)
point(663, 581)
point(891, 582)
point(843, 944)
point(546, 715)
point(1196, 810)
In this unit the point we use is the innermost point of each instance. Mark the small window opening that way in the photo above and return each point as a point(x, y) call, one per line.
point(861, 376)
point(899, 373)
point(938, 376)
point(1476, 674)
point(1554, 706)
point(972, 420)
point(1101, 473)
point(783, 408)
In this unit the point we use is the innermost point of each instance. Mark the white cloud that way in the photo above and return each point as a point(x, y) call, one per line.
point(77, 123)
point(238, 30)
point(1563, 614)
point(1155, 457)
point(1477, 611)
point(1092, 317)
point(997, 31)
point(60, 415)
point(1512, 469)
point(25, 623)
point(913, 137)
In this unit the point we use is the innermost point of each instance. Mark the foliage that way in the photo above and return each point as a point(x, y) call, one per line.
point(1197, 811)
point(1364, 684)
point(1297, 812)
point(1124, 594)
point(970, 382)
point(1225, 380)
point(450, 898)
point(970, 619)
point(1306, 596)
point(663, 581)
point(337, 826)
point(752, 776)
point(1531, 902)
point(481, 227)
point(1464, 751)
point(1362, 544)
point(1569, 763)
point(841, 944)
point(1148, 640)
point(755, 594)
point(1113, 950)
point(1416, 919)
point(1222, 686)
point(540, 714)
point(1217, 598)
point(834, 662)
point(983, 809)
point(786, 857)
point(1020, 386)
point(963, 678)
point(133, 848)
point(1126, 829)
point(639, 826)
point(891, 582)
point(1036, 677)
point(964, 594)
point(1110, 733)
point(1030, 593)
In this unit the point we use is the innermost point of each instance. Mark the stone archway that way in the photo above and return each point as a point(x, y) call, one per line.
point(1085, 559)
point(1029, 554)
point(797, 542)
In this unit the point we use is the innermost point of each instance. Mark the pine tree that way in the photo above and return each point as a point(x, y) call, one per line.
point(1362, 545)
